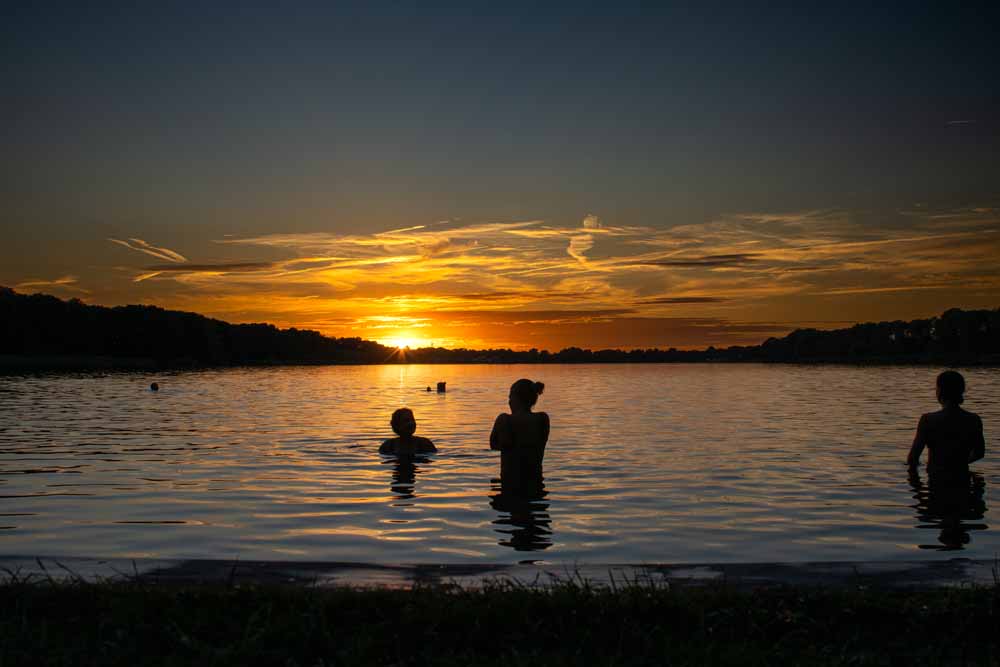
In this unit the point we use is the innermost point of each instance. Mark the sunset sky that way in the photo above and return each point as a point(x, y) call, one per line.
point(499, 175)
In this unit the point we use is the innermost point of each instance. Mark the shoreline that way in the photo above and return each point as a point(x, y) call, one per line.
point(19, 365)
point(903, 574)
point(232, 620)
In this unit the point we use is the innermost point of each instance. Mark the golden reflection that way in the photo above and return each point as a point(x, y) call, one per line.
point(361, 531)
point(458, 552)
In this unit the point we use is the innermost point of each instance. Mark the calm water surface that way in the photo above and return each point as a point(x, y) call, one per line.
point(646, 463)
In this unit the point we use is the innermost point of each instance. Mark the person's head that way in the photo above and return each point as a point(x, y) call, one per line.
point(950, 388)
point(524, 393)
point(403, 422)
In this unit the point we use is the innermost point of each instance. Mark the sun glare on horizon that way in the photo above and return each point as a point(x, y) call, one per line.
point(404, 342)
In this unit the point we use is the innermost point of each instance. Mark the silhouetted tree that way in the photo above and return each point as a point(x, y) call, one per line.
point(38, 325)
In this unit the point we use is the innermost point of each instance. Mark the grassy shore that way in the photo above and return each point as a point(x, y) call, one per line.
point(47, 623)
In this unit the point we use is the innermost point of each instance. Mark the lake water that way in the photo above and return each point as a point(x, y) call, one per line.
point(645, 464)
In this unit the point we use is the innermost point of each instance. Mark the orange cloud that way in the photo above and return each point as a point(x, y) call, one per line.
point(454, 283)
point(65, 282)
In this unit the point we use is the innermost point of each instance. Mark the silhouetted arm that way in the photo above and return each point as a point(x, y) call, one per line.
point(500, 435)
point(546, 427)
point(979, 447)
point(917, 448)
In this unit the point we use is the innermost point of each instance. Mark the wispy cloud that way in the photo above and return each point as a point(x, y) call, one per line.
point(673, 300)
point(579, 244)
point(165, 254)
point(876, 290)
point(214, 269)
point(65, 282)
point(729, 267)
point(219, 267)
point(707, 260)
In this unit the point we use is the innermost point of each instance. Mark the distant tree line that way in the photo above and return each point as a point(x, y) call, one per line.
point(42, 325)
point(39, 326)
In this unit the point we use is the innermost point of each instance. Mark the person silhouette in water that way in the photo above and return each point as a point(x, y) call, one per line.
point(520, 438)
point(404, 424)
point(953, 436)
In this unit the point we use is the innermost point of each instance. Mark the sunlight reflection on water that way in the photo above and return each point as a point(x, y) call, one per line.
point(646, 463)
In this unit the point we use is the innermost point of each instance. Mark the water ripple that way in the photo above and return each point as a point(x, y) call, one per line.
point(646, 463)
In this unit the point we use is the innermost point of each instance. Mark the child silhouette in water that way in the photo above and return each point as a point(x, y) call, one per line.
point(404, 424)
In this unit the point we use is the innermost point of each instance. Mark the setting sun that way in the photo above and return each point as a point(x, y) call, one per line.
point(403, 342)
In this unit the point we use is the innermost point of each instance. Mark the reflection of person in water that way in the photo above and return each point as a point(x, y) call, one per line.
point(520, 437)
point(404, 424)
point(404, 474)
point(949, 506)
point(523, 516)
point(953, 438)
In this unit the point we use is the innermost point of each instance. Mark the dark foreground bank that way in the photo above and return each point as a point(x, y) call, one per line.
point(571, 623)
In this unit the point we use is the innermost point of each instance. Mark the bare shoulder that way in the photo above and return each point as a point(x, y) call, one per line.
point(424, 444)
point(502, 418)
point(930, 417)
point(388, 447)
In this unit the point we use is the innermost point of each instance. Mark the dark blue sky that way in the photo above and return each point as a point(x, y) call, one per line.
point(381, 115)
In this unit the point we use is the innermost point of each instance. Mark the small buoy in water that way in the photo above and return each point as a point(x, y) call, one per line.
point(441, 388)
point(428, 388)
point(154, 387)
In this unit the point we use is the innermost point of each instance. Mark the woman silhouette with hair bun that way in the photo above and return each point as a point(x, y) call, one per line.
point(520, 438)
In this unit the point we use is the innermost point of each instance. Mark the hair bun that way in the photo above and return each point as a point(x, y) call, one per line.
point(539, 388)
